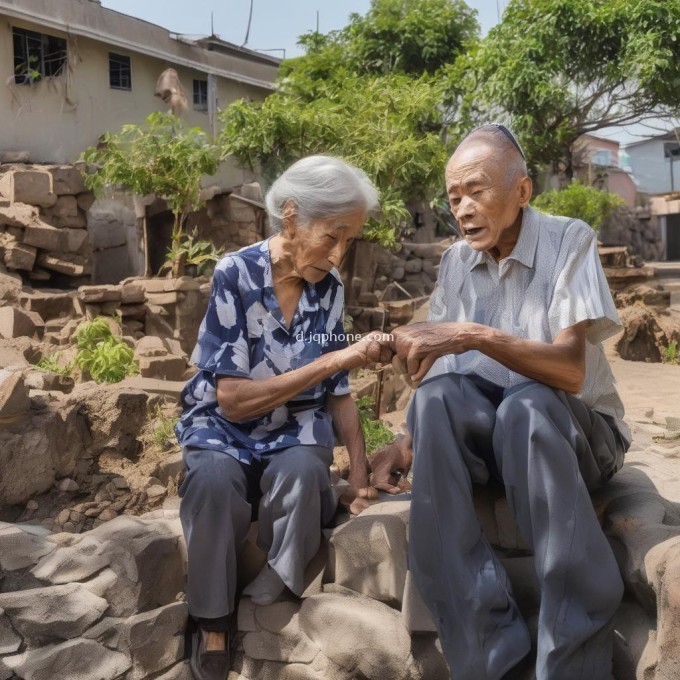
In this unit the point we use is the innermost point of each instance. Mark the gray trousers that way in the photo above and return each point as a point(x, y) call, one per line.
point(549, 449)
point(293, 488)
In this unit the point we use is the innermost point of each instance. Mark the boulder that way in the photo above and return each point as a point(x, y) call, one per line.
point(42, 235)
point(368, 555)
point(53, 613)
point(67, 180)
point(9, 640)
point(34, 452)
point(20, 549)
point(18, 255)
point(358, 633)
point(73, 660)
point(65, 263)
point(99, 294)
point(15, 323)
point(14, 400)
point(18, 214)
point(163, 368)
point(33, 186)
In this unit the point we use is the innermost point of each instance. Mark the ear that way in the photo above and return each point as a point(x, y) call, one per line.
point(289, 218)
point(525, 190)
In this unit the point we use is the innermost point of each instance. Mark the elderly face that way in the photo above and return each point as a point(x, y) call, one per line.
point(485, 199)
point(320, 245)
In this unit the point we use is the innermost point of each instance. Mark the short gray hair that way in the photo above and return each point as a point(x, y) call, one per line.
point(321, 187)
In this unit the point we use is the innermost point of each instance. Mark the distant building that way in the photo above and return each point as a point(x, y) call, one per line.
point(73, 69)
point(655, 163)
point(598, 163)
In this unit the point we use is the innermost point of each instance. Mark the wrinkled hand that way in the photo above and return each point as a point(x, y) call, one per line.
point(417, 346)
point(359, 494)
point(373, 350)
point(391, 464)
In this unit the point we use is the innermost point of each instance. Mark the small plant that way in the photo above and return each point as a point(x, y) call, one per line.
point(376, 433)
point(52, 363)
point(162, 436)
point(203, 254)
point(105, 357)
point(669, 355)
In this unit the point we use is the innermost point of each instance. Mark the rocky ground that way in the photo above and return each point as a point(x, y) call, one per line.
point(108, 603)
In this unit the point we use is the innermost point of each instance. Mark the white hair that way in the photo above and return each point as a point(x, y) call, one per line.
point(321, 187)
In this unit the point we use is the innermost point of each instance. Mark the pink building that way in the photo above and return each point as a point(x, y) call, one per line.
point(598, 163)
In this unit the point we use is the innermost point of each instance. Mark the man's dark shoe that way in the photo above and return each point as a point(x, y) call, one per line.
point(208, 665)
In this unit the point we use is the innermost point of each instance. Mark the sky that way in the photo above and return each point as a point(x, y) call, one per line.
point(276, 25)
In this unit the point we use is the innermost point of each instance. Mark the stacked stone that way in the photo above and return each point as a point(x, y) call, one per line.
point(387, 288)
point(637, 229)
point(174, 309)
point(106, 604)
point(43, 224)
point(236, 219)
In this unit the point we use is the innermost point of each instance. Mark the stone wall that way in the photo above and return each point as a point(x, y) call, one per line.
point(635, 228)
point(43, 224)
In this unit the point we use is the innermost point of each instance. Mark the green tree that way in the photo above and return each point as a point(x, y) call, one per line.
point(580, 201)
point(556, 69)
point(161, 157)
point(371, 93)
point(389, 126)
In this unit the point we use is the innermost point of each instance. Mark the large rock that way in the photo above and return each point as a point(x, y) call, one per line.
point(115, 416)
point(52, 613)
point(33, 453)
point(67, 180)
point(17, 214)
point(359, 634)
point(368, 555)
point(15, 323)
point(154, 640)
point(145, 560)
point(14, 401)
point(73, 660)
point(20, 549)
point(18, 255)
point(42, 235)
point(32, 186)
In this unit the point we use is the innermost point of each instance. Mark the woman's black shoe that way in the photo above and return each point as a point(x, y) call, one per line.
point(208, 665)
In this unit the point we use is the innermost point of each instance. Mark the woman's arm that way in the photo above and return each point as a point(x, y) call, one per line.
point(347, 425)
point(242, 399)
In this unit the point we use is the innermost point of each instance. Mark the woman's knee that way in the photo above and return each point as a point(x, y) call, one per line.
point(212, 474)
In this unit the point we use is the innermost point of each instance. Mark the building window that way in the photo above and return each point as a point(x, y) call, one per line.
point(200, 95)
point(37, 56)
point(120, 72)
point(602, 157)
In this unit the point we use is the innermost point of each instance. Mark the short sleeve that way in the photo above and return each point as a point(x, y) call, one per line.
point(222, 346)
point(337, 384)
point(581, 291)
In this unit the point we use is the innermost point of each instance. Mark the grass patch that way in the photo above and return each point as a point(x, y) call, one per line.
point(376, 433)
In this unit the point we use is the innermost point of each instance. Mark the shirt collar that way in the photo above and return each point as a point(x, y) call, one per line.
point(524, 251)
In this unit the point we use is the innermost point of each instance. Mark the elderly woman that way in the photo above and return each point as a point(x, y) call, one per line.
point(272, 386)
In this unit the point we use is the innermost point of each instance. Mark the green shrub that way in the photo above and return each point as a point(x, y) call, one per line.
point(105, 357)
point(669, 355)
point(161, 432)
point(376, 433)
point(580, 201)
point(52, 363)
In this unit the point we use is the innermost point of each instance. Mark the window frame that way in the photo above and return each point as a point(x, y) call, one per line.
point(121, 61)
point(47, 57)
point(200, 94)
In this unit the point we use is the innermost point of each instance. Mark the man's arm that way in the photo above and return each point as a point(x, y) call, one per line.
point(560, 364)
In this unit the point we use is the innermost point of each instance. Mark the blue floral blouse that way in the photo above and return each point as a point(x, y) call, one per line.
point(244, 334)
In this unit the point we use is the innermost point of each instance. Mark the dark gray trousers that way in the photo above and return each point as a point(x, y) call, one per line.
point(295, 501)
point(549, 449)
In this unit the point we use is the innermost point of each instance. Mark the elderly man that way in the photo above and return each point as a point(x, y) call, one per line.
point(517, 389)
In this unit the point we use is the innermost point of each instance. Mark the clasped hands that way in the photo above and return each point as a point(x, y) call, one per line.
point(410, 349)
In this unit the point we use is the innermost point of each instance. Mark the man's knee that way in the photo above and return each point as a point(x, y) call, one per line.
point(433, 399)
